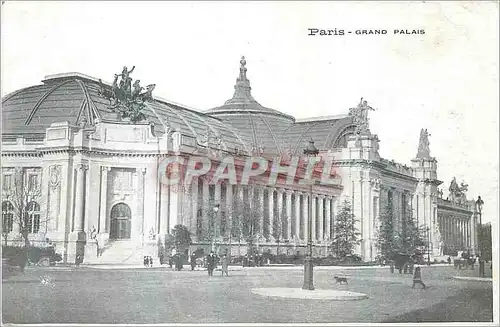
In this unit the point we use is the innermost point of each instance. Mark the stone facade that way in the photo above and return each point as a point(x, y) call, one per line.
point(101, 180)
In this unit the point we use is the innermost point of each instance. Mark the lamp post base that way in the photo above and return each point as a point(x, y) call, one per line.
point(308, 274)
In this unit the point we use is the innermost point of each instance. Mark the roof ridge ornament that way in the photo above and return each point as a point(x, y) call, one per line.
point(360, 114)
point(127, 102)
point(242, 87)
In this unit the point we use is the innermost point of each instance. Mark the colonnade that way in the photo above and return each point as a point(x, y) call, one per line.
point(280, 213)
point(456, 231)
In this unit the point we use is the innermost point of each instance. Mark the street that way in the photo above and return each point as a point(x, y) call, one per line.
point(160, 295)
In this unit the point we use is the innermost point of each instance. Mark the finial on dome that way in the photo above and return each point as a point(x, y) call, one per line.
point(243, 69)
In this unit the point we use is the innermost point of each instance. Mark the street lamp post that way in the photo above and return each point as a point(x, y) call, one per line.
point(311, 150)
point(479, 207)
point(216, 210)
point(428, 246)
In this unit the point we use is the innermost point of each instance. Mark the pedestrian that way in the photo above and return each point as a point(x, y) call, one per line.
point(170, 261)
point(150, 261)
point(78, 260)
point(211, 263)
point(449, 260)
point(481, 267)
point(193, 261)
point(145, 261)
point(225, 265)
point(178, 262)
point(391, 267)
point(97, 246)
point(417, 278)
point(161, 258)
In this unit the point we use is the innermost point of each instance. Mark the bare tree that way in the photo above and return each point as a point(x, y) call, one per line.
point(24, 200)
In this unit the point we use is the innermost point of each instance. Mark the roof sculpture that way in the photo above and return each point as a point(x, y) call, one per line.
point(128, 103)
point(360, 117)
point(423, 145)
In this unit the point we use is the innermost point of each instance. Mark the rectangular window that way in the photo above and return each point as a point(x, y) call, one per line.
point(7, 182)
point(32, 182)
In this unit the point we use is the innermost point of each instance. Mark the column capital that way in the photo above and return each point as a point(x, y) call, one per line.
point(82, 166)
point(106, 168)
point(141, 170)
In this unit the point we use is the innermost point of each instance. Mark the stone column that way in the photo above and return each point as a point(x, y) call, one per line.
point(260, 191)
point(164, 208)
point(217, 200)
point(314, 209)
point(270, 201)
point(288, 210)
point(328, 220)
point(204, 203)
point(79, 198)
point(321, 218)
point(279, 223)
point(139, 217)
point(103, 212)
point(194, 206)
point(77, 238)
point(305, 199)
point(297, 214)
point(229, 205)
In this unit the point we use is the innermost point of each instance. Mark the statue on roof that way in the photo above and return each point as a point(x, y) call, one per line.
point(457, 193)
point(423, 145)
point(360, 115)
point(128, 100)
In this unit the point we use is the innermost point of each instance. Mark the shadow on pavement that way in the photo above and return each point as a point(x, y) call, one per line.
point(472, 305)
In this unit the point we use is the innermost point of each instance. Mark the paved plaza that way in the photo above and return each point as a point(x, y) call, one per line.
point(160, 295)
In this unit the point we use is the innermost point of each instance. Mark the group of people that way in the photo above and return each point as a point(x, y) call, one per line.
point(212, 261)
point(148, 261)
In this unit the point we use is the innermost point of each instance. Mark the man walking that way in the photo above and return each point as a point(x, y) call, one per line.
point(193, 261)
point(225, 265)
point(211, 263)
point(417, 278)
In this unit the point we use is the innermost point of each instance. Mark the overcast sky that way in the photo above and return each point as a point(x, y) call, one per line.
point(445, 80)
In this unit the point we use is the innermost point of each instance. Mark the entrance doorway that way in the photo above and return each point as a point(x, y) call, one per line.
point(120, 222)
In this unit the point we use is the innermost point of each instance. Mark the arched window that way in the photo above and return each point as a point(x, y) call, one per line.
point(32, 217)
point(7, 216)
point(120, 225)
point(341, 141)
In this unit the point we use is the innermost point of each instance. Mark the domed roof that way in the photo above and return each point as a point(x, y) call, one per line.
point(68, 97)
point(240, 124)
point(243, 101)
point(75, 98)
point(271, 130)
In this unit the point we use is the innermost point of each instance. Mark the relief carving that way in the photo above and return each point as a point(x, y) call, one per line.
point(54, 196)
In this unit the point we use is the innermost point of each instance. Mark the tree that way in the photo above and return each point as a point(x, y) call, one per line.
point(181, 237)
point(346, 235)
point(410, 236)
point(245, 220)
point(386, 240)
point(25, 200)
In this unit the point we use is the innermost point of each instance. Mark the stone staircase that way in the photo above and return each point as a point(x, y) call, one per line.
point(123, 252)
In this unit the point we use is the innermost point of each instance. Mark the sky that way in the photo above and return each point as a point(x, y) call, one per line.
point(445, 80)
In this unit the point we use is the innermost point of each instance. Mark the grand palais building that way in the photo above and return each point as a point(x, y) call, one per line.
point(94, 153)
